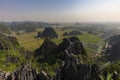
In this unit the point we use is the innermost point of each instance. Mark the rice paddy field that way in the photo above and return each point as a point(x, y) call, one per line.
point(29, 41)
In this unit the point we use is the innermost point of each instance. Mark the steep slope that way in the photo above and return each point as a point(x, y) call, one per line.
point(112, 48)
point(4, 29)
point(10, 55)
point(45, 48)
point(7, 42)
point(48, 33)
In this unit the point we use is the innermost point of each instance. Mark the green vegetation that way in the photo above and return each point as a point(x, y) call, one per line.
point(109, 77)
point(15, 53)
point(30, 42)
point(4, 29)
point(6, 62)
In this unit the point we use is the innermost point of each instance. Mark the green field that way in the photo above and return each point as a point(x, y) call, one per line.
point(30, 42)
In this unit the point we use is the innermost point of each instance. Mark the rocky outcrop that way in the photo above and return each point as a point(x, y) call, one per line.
point(43, 76)
point(7, 42)
point(26, 72)
point(73, 46)
point(46, 48)
point(78, 72)
point(48, 33)
point(13, 41)
point(70, 45)
point(71, 68)
point(112, 47)
point(70, 48)
point(72, 33)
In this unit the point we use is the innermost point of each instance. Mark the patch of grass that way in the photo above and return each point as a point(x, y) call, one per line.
point(90, 38)
point(6, 65)
point(29, 42)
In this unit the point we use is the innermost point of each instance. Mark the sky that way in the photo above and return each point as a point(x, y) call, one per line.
point(60, 10)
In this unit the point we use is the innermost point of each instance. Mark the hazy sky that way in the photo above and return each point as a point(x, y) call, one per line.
point(60, 10)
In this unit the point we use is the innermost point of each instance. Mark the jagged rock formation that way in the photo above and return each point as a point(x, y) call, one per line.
point(7, 42)
point(26, 72)
point(13, 41)
point(72, 45)
point(112, 47)
point(71, 71)
point(71, 68)
point(48, 33)
point(72, 33)
point(70, 48)
point(43, 76)
point(46, 48)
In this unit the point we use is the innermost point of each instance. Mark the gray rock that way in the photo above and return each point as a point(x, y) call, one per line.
point(72, 45)
point(43, 76)
point(23, 73)
point(112, 48)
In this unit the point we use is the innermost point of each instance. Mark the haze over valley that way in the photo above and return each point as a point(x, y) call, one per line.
point(59, 40)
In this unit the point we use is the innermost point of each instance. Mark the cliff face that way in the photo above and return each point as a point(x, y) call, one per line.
point(71, 71)
point(45, 48)
point(69, 47)
point(7, 42)
point(71, 68)
point(72, 45)
point(112, 48)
